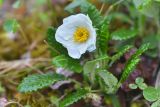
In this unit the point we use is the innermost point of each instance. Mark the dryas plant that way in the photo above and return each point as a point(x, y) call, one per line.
point(97, 79)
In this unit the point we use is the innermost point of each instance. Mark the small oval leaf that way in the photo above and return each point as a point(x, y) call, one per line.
point(150, 94)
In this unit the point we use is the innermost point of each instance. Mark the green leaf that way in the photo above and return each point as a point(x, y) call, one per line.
point(147, 7)
point(73, 97)
point(110, 81)
point(16, 4)
point(152, 39)
point(93, 13)
point(142, 86)
point(120, 53)
point(132, 62)
point(156, 104)
point(103, 38)
point(90, 67)
point(39, 81)
point(67, 63)
point(11, 25)
point(55, 46)
point(150, 94)
point(133, 86)
point(76, 3)
point(141, 50)
point(123, 34)
point(139, 80)
point(88, 9)
point(129, 67)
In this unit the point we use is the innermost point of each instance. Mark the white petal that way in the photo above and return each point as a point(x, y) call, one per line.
point(82, 47)
point(91, 48)
point(65, 31)
point(61, 40)
point(77, 17)
point(74, 53)
point(92, 40)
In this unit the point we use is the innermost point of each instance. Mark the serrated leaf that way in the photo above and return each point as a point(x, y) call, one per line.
point(129, 67)
point(110, 81)
point(141, 50)
point(132, 62)
point(88, 9)
point(67, 63)
point(73, 97)
point(120, 53)
point(11, 25)
point(55, 46)
point(150, 94)
point(103, 38)
point(93, 13)
point(39, 81)
point(90, 67)
point(123, 34)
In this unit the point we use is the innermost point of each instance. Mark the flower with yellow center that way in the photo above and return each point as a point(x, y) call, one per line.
point(77, 34)
point(81, 34)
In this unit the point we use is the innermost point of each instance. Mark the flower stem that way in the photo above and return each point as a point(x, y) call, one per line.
point(112, 6)
point(102, 7)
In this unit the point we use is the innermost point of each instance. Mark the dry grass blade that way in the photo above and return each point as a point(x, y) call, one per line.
point(6, 66)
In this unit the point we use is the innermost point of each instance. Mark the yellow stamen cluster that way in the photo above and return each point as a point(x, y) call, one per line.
point(81, 34)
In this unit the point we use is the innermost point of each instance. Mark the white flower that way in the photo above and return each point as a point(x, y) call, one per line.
point(77, 34)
